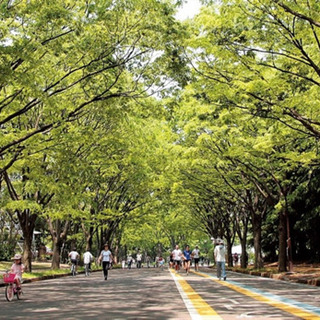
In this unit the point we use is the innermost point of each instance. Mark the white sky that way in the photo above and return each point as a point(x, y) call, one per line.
point(189, 9)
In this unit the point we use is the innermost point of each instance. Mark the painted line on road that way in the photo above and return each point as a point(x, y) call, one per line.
point(197, 307)
point(290, 306)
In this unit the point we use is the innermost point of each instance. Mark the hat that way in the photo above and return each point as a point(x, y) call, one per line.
point(17, 257)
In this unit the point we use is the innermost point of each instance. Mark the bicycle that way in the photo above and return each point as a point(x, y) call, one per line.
point(11, 287)
point(73, 269)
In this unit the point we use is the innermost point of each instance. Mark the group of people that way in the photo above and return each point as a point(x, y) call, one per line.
point(177, 257)
point(105, 258)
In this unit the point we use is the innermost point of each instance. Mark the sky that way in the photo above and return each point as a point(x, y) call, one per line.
point(189, 9)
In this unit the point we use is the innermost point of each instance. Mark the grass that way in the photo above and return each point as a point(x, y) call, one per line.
point(41, 269)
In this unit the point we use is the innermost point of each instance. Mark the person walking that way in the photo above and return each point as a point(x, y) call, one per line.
point(129, 261)
point(139, 259)
point(196, 257)
point(220, 258)
point(106, 258)
point(187, 259)
point(87, 258)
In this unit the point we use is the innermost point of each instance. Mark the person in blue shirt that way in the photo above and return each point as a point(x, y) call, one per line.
point(187, 259)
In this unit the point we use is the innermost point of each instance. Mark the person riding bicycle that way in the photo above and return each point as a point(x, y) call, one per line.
point(74, 257)
point(17, 268)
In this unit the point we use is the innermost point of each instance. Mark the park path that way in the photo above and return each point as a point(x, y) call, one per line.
point(162, 294)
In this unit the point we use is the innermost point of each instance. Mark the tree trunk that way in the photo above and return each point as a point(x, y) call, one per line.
point(57, 245)
point(282, 259)
point(257, 223)
point(59, 235)
point(27, 253)
point(27, 224)
point(244, 255)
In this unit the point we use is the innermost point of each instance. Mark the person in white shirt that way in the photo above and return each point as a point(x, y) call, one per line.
point(87, 258)
point(177, 256)
point(196, 257)
point(106, 258)
point(74, 257)
point(220, 258)
point(139, 259)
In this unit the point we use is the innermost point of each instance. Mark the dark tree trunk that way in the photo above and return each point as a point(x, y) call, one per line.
point(57, 245)
point(257, 224)
point(59, 231)
point(282, 259)
point(27, 224)
point(244, 255)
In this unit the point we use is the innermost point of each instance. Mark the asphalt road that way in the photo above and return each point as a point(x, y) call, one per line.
point(160, 294)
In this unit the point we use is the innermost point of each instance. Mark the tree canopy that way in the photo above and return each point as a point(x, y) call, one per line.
point(121, 124)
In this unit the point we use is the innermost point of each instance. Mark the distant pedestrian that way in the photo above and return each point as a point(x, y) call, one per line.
point(148, 260)
point(235, 259)
point(87, 258)
point(106, 258)
point(177, 256)
point(171, 262)
point(219, 255)
point(129, 261)
point(139, 259)
point(187, 259)
point(196, 257)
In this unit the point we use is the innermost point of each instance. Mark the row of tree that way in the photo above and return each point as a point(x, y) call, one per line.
point(249, 119)
point(120, 124)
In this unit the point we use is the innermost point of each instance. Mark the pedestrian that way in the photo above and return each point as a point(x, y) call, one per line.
point(123, 263)
point(139, 259)
point(17, 268)
point(148, 260)
point(161, 262)
point(196, 257)
point(87, 258)
point(129, 261)
point(177, 256)
point(106, 258)
point(219, 255)
point(235, 259)
point(187, 258)
point(171, 262)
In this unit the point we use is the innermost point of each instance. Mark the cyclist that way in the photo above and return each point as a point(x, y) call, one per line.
point(74, 257)
point(87, 258)
point(106, 258)
point(17, 268)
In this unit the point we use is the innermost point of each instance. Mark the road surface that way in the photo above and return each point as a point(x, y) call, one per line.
point(163, 294)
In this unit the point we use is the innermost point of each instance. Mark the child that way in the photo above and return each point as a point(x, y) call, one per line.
point(17, 268)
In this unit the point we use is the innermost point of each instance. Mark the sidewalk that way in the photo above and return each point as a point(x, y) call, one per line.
point(302, 273)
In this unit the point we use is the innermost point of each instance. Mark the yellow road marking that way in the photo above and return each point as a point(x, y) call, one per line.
point(280, 305)
point(202, 307)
